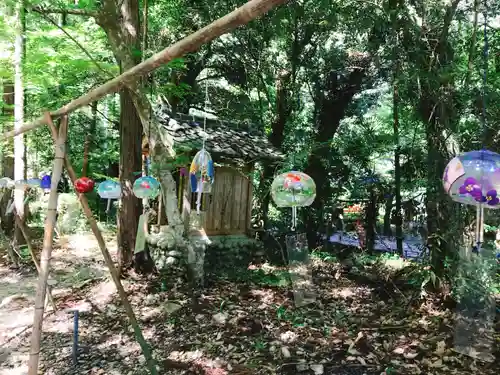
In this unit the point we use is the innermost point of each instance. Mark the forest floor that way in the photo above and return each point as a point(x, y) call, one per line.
point(245, 325)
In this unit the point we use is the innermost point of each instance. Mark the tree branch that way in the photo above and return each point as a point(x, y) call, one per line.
point(76, 12)
point(240, 16)
point(78, 44)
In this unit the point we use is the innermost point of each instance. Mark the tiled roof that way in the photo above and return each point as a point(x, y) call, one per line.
point(222, 139)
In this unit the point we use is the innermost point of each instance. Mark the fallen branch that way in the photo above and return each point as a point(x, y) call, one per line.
point(238, 17)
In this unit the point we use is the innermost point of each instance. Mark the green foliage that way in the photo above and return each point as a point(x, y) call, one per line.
point(258, 277)
point(301, 47)
point(71, 218)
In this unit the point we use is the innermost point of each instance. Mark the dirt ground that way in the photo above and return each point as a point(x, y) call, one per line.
point(245, 325)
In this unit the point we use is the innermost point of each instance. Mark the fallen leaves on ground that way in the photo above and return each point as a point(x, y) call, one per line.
point(247, 328)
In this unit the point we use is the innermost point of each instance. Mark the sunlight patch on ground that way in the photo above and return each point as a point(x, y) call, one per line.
point(395, 264)
point(124, 345)
point(10, 279)
point(350, 292)
point(61, 326)
point(13, 321)
point(267, 297)
point(151, 312)
point(84, 245)
point(21, 370)
point(185, 356)
point(103, 293)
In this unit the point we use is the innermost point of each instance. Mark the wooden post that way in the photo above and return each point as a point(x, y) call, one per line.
point(22, 227)
point(146, 351)
point(36, 336)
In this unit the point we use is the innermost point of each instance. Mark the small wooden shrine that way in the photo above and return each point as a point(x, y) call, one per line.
point(235, 148)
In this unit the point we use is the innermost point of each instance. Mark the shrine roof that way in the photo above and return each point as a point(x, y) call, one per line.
point(223, 139)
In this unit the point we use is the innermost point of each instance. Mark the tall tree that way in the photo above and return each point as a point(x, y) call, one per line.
point(438, 111)
point(332, 98)
point(130, 136)
point(6, 155)
point(394, 6)
point(19, 147)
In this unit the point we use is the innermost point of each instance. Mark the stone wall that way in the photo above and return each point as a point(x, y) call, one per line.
point(228, 251)
point(221, 252)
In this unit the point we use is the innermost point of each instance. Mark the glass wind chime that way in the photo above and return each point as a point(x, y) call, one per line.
point(201, 172)
point(146, 187)
point(473, 178)
point(293, 189)
point(296, 189)
point(109, 190)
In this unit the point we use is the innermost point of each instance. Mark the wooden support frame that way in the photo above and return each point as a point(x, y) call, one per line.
point(48, 238)
point(146, 351)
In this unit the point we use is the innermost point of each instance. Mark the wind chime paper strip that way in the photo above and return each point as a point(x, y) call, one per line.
point(300, 269)
point(140, 240)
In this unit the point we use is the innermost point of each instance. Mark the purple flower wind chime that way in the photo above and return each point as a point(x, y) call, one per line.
point(473, 178)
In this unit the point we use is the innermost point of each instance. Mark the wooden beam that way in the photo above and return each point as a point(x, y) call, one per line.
point(241, 16)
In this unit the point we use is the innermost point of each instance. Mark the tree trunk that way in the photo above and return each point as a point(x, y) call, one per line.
point(6, 155)
point(276, 137)
point(387, 215)
point(130, 168)
point(332, 100)
point(397, 165)
point(123, 29)
point(371, 220)
point(438, 111)
point(395, 6)
point(19, 150)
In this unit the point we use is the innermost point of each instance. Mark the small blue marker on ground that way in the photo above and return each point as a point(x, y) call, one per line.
point(75, 337)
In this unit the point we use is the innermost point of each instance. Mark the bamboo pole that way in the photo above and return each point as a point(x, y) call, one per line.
point(36, 335)
point(240, 16)
point(22, 227)
point(146, 351)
